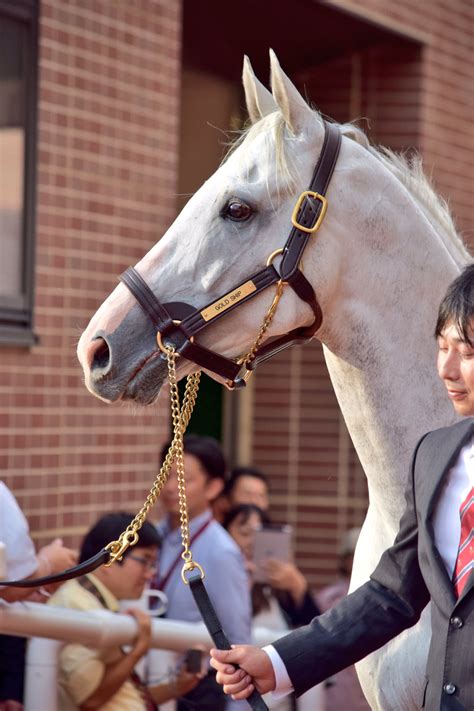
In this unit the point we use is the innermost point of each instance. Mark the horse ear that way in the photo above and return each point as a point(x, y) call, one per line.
point(259, 100)
point(294, 108)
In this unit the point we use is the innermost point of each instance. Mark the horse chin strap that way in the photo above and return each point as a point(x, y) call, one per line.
point(177, 324)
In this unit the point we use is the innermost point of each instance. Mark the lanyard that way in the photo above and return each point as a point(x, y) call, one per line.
point(162, 582)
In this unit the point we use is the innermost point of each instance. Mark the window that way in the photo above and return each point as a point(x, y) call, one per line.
point(18, 80)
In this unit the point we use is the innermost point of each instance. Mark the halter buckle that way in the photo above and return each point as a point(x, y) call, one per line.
point(296, 209)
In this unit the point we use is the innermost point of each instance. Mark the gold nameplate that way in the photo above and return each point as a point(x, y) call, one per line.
point(233, 297)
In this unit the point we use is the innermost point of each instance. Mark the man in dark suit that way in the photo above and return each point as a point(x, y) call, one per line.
point(431, 559)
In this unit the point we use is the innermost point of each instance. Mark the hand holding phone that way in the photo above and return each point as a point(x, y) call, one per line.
point(271, 542)
point(193, 661)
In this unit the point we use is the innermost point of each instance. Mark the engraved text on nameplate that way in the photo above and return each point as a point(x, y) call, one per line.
point(225, 302)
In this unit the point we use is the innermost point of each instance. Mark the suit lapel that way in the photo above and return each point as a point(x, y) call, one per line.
point(437, 461)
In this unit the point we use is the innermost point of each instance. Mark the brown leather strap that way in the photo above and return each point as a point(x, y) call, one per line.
point(157, 313)
point(195, 322)
point(310, 209)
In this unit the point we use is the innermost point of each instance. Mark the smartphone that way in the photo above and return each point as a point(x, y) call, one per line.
point(271, 542)
point(193, 661)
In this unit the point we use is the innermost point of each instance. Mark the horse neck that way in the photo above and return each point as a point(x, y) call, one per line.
point(378, 337)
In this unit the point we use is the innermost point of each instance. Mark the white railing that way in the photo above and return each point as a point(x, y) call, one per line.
point(51, 627)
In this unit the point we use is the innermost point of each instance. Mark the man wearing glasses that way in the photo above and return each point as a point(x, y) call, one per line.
point(105, 678)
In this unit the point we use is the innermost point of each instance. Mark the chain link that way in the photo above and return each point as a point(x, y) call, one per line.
point(180, 416)
point(247, 359)
point(180, 419)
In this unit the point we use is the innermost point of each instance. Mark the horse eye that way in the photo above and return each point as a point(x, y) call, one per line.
point(237, 210)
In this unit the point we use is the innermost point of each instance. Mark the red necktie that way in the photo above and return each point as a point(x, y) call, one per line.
point(465, 560)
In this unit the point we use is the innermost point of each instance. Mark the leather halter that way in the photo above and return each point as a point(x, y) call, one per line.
point(176, 324)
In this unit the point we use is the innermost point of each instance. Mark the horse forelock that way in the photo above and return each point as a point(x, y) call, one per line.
point(277, 139)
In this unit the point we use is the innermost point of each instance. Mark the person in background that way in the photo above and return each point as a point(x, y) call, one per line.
point(245, 485)
point(105, 678)
point(242, 522)
point(249, 485)
point(212, 547)
point(345, 684)
point(20, 561)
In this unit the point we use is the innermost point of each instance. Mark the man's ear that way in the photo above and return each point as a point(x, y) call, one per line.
point(214, 487)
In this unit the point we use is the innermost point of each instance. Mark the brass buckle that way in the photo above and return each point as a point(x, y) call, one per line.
point(299, 202)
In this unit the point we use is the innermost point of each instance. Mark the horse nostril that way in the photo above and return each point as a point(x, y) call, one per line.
point(98, 356)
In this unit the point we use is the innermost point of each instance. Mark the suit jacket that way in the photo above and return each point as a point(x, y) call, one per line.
point(409, 574)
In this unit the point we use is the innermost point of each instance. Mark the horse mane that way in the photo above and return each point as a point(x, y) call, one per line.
point(407, 169)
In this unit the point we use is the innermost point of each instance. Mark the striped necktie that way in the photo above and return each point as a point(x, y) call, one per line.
point(465, 560)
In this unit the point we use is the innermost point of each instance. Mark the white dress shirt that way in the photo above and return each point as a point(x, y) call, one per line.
point(447, 531)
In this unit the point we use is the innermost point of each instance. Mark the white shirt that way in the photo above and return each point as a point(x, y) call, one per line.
point(446, 520)
point(14, 534)
point(447, 531)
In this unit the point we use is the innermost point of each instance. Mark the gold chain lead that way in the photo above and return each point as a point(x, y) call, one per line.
point(247, 359)
point(180, 417)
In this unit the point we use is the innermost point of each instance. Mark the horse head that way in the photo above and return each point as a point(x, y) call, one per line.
point(226, 232)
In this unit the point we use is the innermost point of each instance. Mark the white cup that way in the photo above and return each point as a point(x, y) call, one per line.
point(154, 602)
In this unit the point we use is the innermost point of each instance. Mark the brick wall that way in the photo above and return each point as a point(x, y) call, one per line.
point(109, 81)
point(445, 90)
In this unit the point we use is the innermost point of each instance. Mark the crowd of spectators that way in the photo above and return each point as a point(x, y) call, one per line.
point(225, 514)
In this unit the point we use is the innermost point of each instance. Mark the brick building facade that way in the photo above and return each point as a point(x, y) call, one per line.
point(119, 117)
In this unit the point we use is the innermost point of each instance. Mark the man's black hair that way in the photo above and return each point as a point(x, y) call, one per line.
point(207, 450)
point(458, 306)
point(109, 527)
point(239, 472)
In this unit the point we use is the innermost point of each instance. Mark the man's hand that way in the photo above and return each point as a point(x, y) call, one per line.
point(142, 641)
point(256, 670)
point(283, 575)
point(54, 558)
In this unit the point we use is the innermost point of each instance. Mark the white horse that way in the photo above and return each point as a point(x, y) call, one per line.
point(379, 265)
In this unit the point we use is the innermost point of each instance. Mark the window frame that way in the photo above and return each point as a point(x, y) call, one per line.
point(16, 314)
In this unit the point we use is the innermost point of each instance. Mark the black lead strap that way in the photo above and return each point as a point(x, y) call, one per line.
point(87, 566)
point(214, 627)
